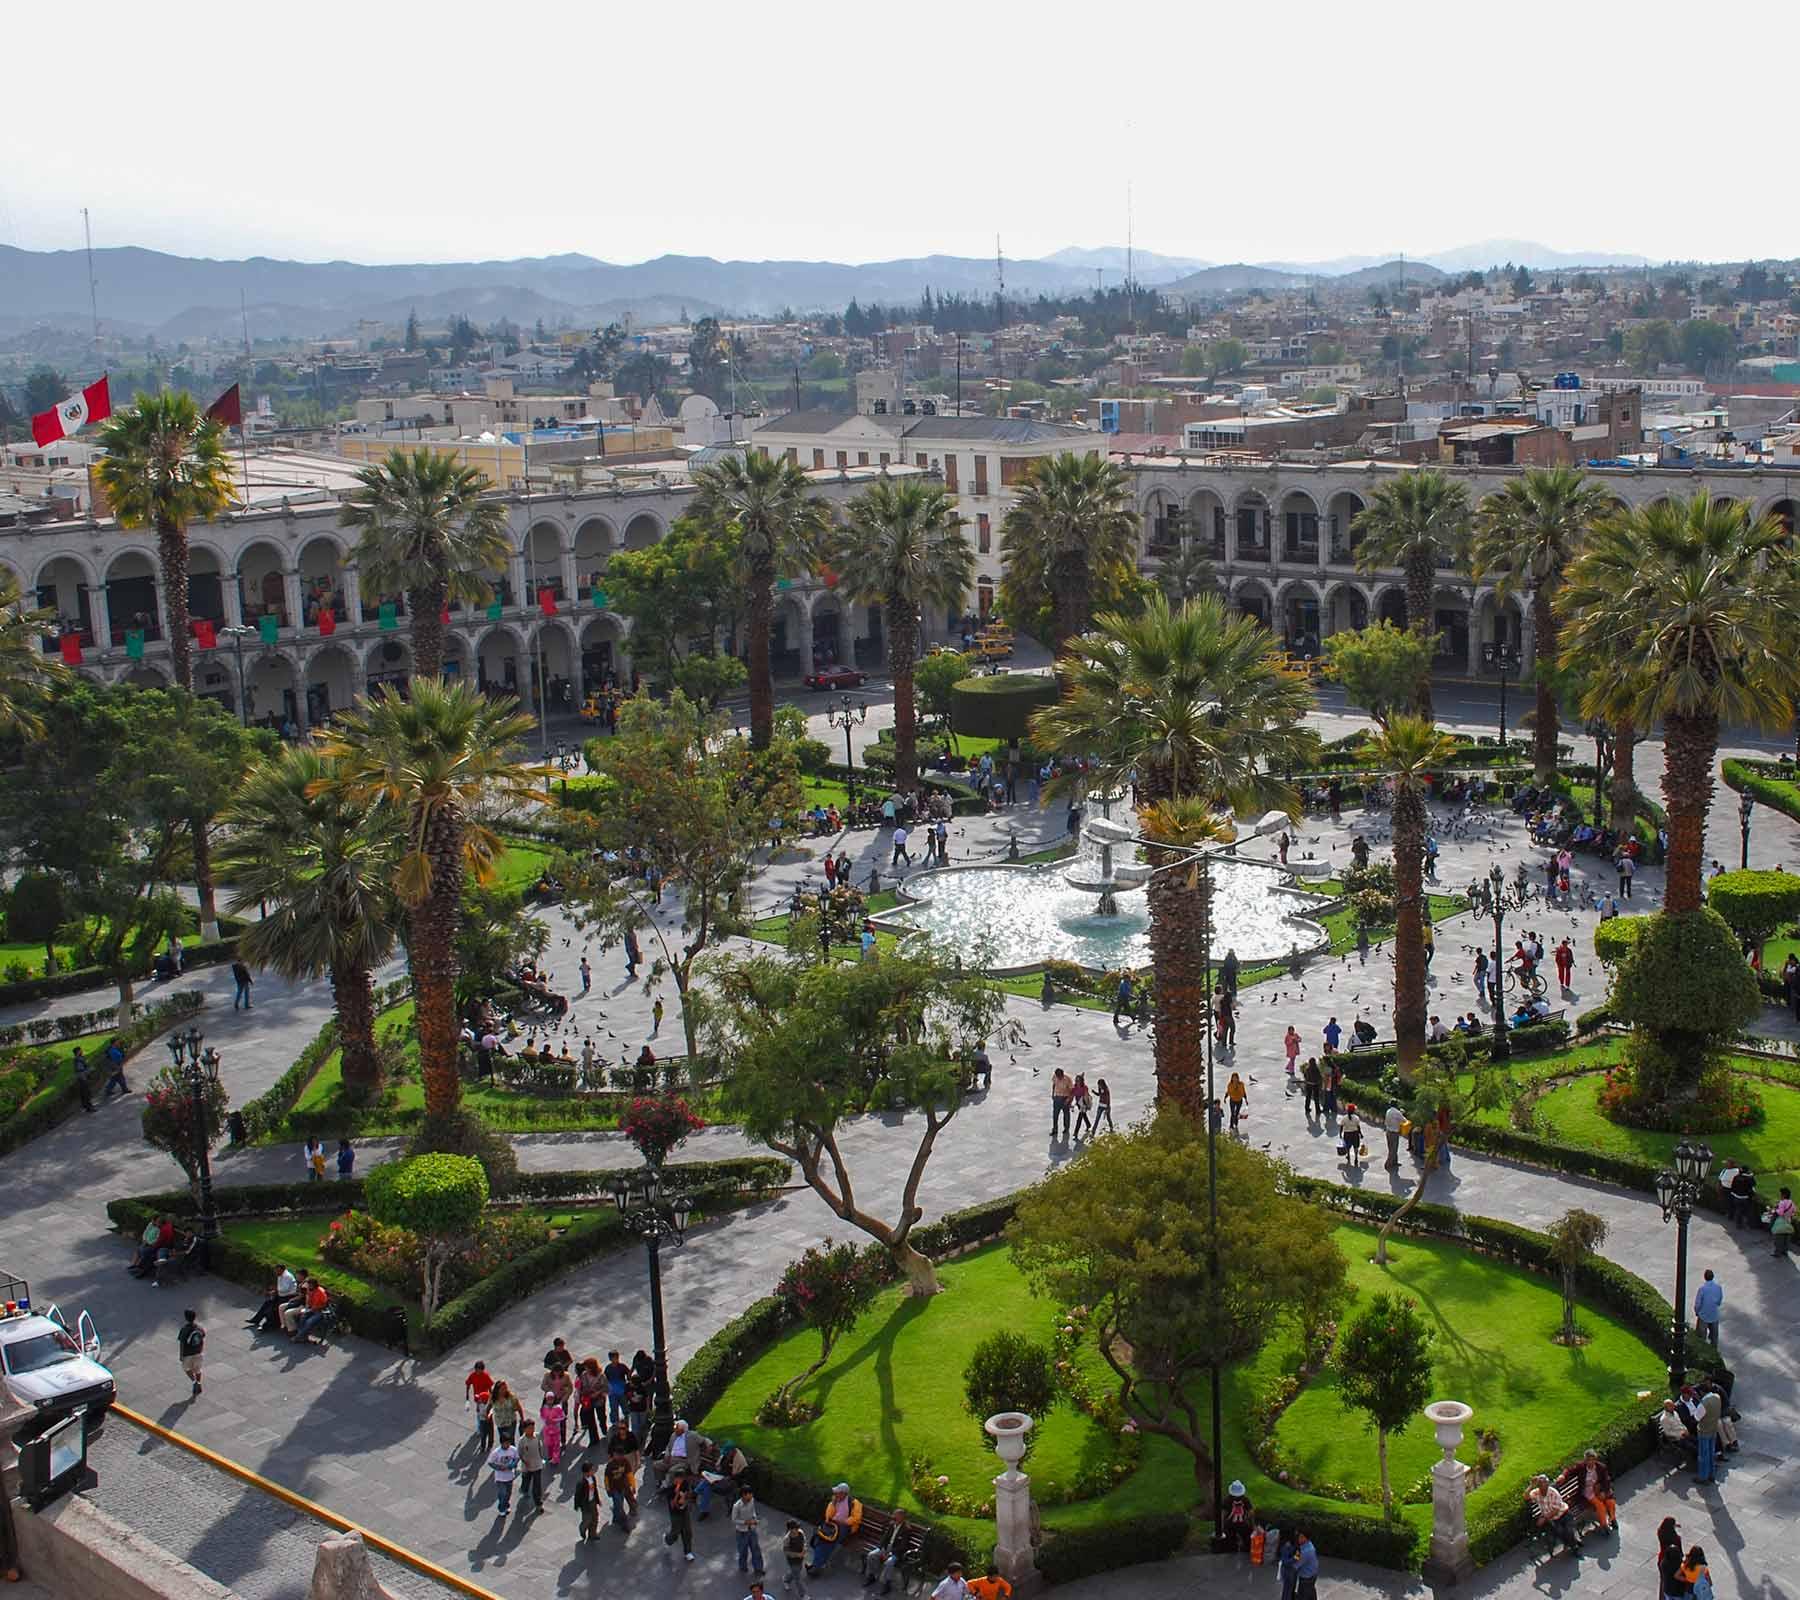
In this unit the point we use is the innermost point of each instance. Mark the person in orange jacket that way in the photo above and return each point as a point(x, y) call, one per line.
point(843, 1516)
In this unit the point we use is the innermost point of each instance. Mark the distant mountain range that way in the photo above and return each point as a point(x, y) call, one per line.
point(181, 297)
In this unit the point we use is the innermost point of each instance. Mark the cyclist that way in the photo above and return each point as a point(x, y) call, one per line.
point(1524, 961)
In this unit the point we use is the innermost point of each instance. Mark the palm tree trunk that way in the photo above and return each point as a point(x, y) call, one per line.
point(1622, 802)
point(762, 684)
point(1545, 725)
point(203, 880)
point(1069, 602)
point(1176, 912)
point(902, 640)
point(426, 603)
point(1409, 929)
point(172, 557)
point(1690, 746)
point(355, 991)
point(1421, 590)
point(434, 927)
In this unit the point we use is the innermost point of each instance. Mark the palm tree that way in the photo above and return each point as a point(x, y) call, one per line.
point(1687, 612)
point(426, 532)
point(1412, 522)
point(433, 757)
point(24, 668)
point(904, 549)
point(1525, 537)
point(1074, 518)
point(166, 466)
point(1198, 703)
point(1187, 574)
point(781, 525)
point(325, 868)
point(1408, 748)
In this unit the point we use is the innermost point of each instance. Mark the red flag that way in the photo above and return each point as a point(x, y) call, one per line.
point(327, 620)
point(444, 616)
point(228, 408)
point(206, 634)
point(93, 404)
point(547, 602)
point(70, 644)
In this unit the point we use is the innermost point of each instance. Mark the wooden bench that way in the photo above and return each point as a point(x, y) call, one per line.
point(1568, 1485)
point(873, 1534)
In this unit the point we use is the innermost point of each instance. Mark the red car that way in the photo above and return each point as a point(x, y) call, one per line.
point(835, 678)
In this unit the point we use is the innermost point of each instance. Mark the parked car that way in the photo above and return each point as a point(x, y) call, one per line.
point(835, 678)
point(44, 1364)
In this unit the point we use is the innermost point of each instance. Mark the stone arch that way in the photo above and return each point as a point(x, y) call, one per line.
point(1390, 604)
point(502, 662)
point(1299, 616)
point(1453, 617)
point(1341, 509)
point(144, 675)
point(133, 585)
point(332, 679)
point(644, 530)
point(595, 541)
point(791, 635)
point(388, 664)
point(321, 563)
point(1299, 526)
point(208, 573)
point(457, 656)
point(261, 572)
point(1252, 525)
point(1251, 597)
point(271, 689)
point(603, 646)
point(1346, 607)
point(64, 586)
point(1162, 521)
point(555, 665)
point(1206, 520)
point(1785, 509)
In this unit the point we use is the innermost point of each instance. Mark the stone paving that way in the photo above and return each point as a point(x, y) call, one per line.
point(386, 1440)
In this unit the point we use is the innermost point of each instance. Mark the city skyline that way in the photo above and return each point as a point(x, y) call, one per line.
point(1320, 137)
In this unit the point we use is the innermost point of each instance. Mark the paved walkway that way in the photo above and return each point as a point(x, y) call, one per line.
point(386, 1440)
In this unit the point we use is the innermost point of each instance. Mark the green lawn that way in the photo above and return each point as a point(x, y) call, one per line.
point(31, 955)
point(893, 1389)
point(322, 1110)
point(520, 864)
point(61, 1080)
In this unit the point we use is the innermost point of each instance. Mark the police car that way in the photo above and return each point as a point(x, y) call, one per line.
point(45, 1364)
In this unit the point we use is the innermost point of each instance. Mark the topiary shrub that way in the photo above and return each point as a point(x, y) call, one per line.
point(1756, 905)
point(462, 1133)
point(1687, 990)
point(1000, 707)
point(440, 1199)
point(1009, 1372)
point(1615, 938)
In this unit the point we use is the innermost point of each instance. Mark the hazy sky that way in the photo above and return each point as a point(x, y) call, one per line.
point(1297, 131)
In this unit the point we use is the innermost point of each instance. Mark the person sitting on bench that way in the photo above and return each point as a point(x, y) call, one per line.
point(1363, 1033)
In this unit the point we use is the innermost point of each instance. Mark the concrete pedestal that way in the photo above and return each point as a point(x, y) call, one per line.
point(1012, 1517)
point(1449, 1561)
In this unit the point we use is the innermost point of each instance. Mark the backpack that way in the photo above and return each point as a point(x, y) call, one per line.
point(192, 1338)
point(618, 1475)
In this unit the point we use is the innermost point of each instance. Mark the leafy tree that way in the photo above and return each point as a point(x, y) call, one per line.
point(1574, 1237)
point(425, 530)
point(707, 353)
point(1410, 523)
point(1073, 520)
point(1521, 281)
point(1702, 344)
point(780, 524)
point(411, 341)
point(933, 679)
point(827, 1288)
point(1686, 989)
point(326, 870)
point(708, 679)
point(1757, 905)
point(1448, 1085)
point(1384, 1369)
point(1382, 668)
point(166, 466)
point(903, 547)
point(438, 1198)
point(1123, 1230)
point(691, 806)
point(1228, 355)
point(26, 672)
point(463, 338)
point(45, 388)
point(645, 374)
point(168, 1120)
point(1525, 538)
point(1685, 612)
point(434, 758)
point(682, 590)
point(1199, 704)
point(1195, 362)
point(1651, 345)
point(495, 936)
point(809, 1046)
point(36, 909)
point(825, 365)
point(1009, 1371)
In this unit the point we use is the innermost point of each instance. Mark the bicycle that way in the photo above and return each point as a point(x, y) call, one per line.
point(1535, 986)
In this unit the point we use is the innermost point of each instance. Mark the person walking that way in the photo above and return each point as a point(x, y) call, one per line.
point(114, 1057)
point(1122, 999)
point(1061, 1088)
point(240, 975)
point(1706, 1437)
point(1083, 1099)
point(1627, 871)
point(1290, 1046)
point(587, 974)
point(621, 1487)
point(1781, 1221)
point(531, 1467)
point(1306, 1557)
point(1393, 1120)
point(634, 954)
point(900, 851)
point(681, 1515)
point(503, 1459)
point(1481, 976)
point(793, 1553)
point(1696, 1575)
point(1236, 1096)
point(1284, 1564)
point(744, 1523)
point(346, 1159)
point(478, 1390)
point(587, 1503)
point(507, 1413)
point(656, 1016)
point(1669, 1559)
point(1565, 964)
point(1312, 1086)
point(190, 1341)
point(1707, 1300)
point(1334, 1081)
point(1102, 1105)
point(82, 1069)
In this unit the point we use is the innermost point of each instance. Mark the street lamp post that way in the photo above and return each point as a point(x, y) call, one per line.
point(655, 1214)
point(1596, 731)
point(1490, 898)
point(1678, 1192)
point(197, 1065)
point(847, 715)
point(567, 760)
point(237, 632)
point(1745, 806)
point(1503, 659)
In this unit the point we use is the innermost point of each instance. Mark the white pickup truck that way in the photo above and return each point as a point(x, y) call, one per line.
point(45, 1364)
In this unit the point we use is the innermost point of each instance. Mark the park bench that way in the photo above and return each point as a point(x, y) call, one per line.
point(1568, 1485)
point(1486, 1033)
point(873, 1534)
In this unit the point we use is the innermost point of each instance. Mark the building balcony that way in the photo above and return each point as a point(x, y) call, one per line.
point(1302, 552)
point(1253, 552)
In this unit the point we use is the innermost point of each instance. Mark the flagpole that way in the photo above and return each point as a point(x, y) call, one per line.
point(243, 426)
point(93, 287)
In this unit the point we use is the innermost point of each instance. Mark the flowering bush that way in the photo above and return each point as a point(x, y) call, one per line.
point(1723, 1101)
point(829, 1287)
point(657, 1124)
point(169, 1116)
point(394, 1256)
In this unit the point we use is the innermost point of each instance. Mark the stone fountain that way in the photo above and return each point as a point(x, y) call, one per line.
point(1100, 874)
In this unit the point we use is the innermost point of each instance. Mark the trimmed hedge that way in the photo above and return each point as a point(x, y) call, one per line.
point(77, 979)
point(999, 706)
point(1533, 1039)
point(1774, 784)
point(49, 1105)
point(1071, 1553)
point(716, 1186)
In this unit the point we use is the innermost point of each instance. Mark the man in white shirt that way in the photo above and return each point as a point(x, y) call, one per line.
point(284, 1289)
point(1391, 1124)
point(900, 851)
point(953, 1585)
point(1437, 1033)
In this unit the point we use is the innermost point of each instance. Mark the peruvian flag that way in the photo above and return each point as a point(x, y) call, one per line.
point(93, 404)
point(228, 409)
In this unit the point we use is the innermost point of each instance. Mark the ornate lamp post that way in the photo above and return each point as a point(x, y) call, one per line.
point(848, 714)
point(1597, 731)
point(1504, 660)
point(197, 1065)
point(566, 760)
point(1678, 1192)
point(1746, 805)
point(656, 1215)
point(1491, 898)
point(237, 633)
